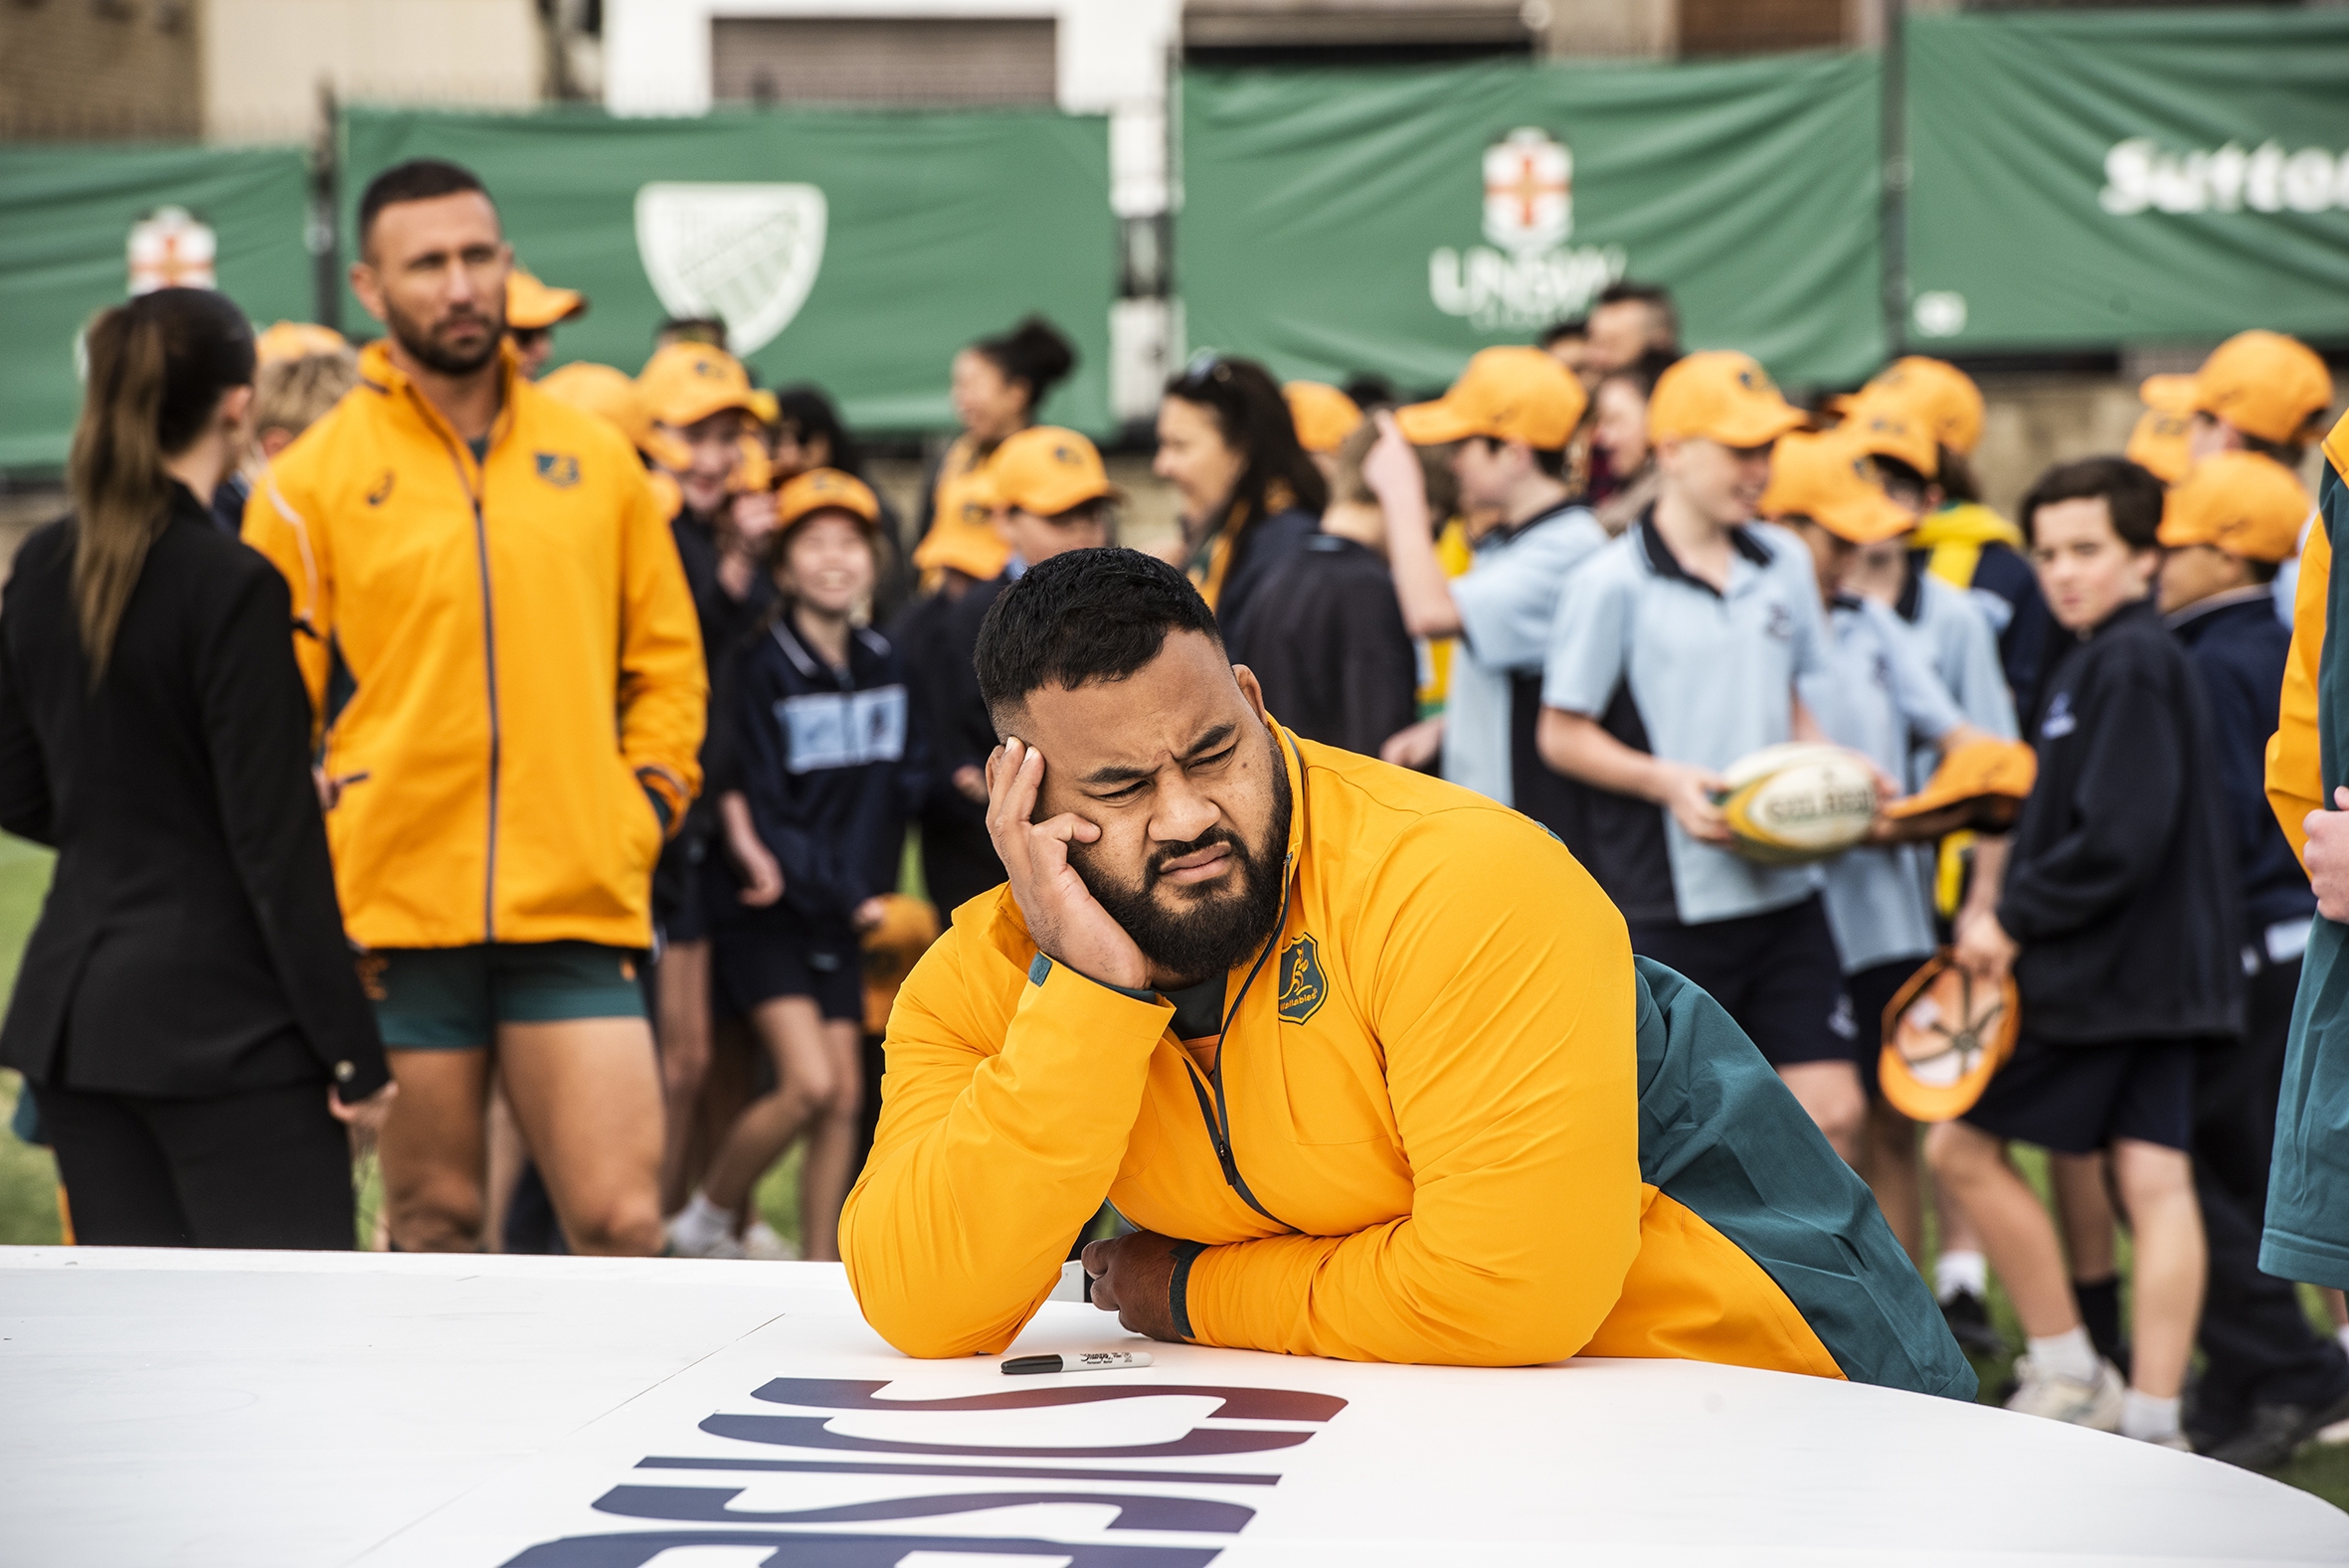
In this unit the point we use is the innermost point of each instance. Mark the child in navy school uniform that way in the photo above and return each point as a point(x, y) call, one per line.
point(2119, 916)
point(816, 769)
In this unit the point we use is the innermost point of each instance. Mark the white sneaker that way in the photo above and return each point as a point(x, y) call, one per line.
point(764, 1242)
point(687, 1241)
point(2094, 1405)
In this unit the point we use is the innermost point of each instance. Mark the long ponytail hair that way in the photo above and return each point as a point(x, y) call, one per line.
point(158, 366)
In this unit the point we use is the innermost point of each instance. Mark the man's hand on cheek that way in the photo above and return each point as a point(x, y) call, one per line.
point(1068, 924)
point(1133, 1277)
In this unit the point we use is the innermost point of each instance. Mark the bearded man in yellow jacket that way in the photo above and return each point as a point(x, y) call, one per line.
point(504, 664)
point(1365, 1056)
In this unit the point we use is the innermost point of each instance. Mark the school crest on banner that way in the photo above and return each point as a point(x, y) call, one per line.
point(170, 248)
point(1527, 276)
point(743, 253)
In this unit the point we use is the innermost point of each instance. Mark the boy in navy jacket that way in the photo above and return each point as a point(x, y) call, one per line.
point(2119, 916)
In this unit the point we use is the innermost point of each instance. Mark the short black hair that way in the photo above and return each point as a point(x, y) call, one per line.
point(1552, 461)
point(1656, 297)
point(416, 180)
point(1570, 327)
point(2129, 492)
point(1084, 616)
point(1643, 373)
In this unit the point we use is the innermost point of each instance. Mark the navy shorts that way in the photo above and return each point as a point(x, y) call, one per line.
point(1871, 990)
point(774, 952)
point(1775, 974)
point(680, 909)
point(2078, 1099)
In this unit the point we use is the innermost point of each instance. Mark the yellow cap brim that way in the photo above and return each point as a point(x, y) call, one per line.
point(1864, 520)
point(2175, 534)
point(694, 411)
point(1435, 424)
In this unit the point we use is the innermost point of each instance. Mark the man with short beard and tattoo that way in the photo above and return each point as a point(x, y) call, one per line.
point(1365, 1057)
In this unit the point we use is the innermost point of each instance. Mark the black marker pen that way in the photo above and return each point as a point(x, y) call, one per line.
point(1089, 1361)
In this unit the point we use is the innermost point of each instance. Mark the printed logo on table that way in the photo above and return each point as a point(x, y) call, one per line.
point(745, 253)
point(1525, 275)
point(1303, 987)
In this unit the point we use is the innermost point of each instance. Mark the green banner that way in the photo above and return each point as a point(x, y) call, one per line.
point(78, 226)
point(2085, 180)
point(855, 249)
point(1398, 220)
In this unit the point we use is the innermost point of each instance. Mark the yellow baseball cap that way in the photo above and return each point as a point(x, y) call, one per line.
point(296, 340)
point(1719, 395)
point(962, 529)
point(1046, 470)
point(2243, 502)
point(604, 392)
point(1883, 429)
point(532, 306)
point(826, 489)
point(1936, 394)
point(2158, 443)
point(1323, 414)
point(1946, 1033)
point(1830, 481)
point(1990, 778)
point(2264, 384)
point(1506, 394)
point(686, 383)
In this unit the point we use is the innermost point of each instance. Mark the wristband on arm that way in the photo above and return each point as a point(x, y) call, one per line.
point(1185, 1254)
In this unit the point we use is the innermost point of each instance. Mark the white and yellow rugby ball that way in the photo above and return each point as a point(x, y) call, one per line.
point(1787, 805)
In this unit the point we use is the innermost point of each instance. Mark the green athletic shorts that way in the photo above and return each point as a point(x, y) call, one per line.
point(454, 999)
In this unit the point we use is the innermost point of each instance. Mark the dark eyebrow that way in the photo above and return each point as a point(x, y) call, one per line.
point(1204, 743)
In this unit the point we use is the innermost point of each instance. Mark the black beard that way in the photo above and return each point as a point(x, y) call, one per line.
point(1217, 931)
point(424, 351)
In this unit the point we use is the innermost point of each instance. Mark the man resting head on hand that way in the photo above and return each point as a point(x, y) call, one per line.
point(1365, 1057)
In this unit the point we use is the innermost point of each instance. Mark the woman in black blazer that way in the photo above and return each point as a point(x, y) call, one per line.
point(186, 1008)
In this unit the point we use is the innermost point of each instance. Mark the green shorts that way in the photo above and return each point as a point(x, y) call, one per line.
point(454, 999)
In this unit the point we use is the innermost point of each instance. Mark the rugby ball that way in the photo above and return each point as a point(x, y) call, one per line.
point(1787, 805)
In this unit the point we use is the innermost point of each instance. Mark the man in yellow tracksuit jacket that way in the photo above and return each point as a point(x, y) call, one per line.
point(504, 657)
point(1424, 1106)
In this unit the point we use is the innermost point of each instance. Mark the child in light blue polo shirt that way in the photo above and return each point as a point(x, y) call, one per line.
point(1507, 421)
point(1677, 652)
point(1878, 696)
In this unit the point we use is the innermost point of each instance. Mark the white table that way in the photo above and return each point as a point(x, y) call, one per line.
point(253, 1409)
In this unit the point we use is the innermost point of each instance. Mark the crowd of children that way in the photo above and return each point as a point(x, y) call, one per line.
point(1585, 582)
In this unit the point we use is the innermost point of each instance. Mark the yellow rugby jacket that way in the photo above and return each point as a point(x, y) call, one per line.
point(1451, 1120)
point(504, 657)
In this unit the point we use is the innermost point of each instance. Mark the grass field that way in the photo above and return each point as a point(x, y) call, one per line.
point(27, 1177)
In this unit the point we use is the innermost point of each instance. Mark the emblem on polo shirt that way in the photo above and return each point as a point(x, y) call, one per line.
point(557, 469)
point(1303, 987)
point(1526, 275)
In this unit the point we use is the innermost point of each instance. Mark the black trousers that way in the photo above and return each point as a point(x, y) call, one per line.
point(2256, 1344)
point(270, 1167)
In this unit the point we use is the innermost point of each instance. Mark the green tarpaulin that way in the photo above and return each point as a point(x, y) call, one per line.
point(855, 249)
point(1397, 221)
point(2085, 180)
point(67, 216)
